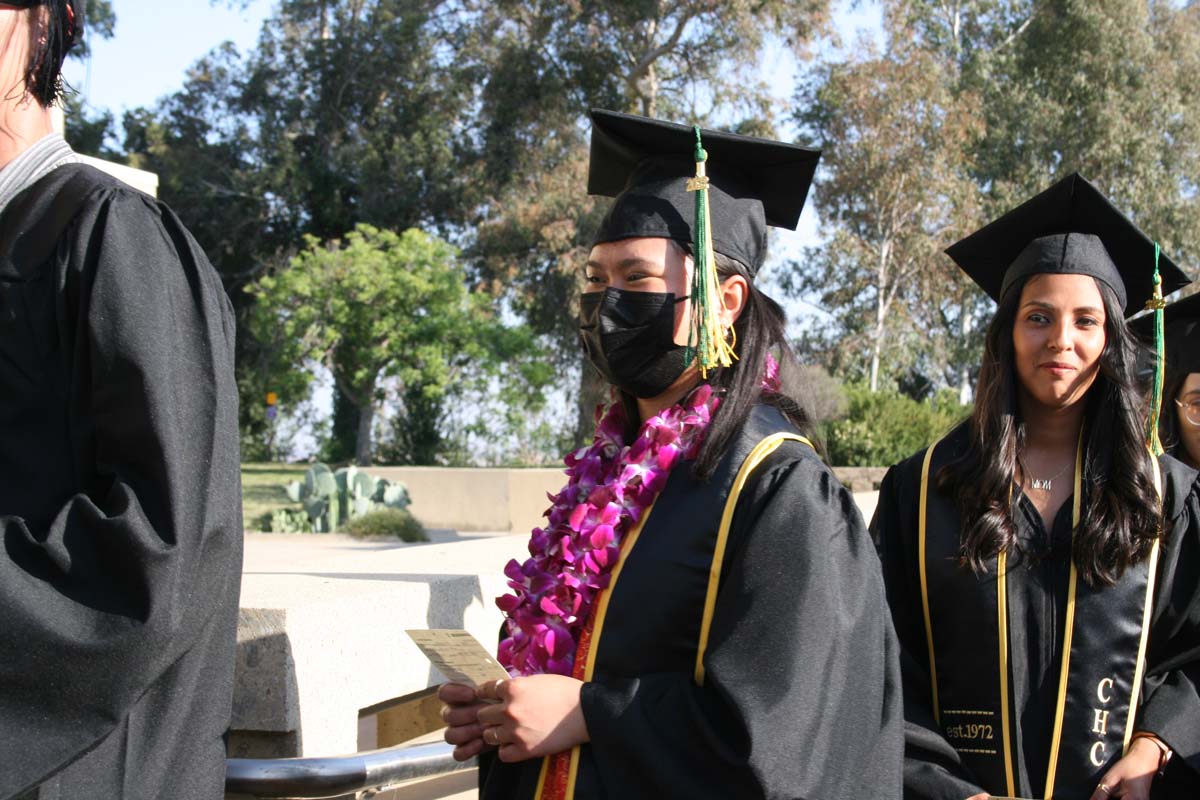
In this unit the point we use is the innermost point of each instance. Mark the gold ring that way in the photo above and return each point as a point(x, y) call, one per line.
point(1104, 789)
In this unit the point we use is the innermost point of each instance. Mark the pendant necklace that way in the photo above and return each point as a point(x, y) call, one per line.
point(1044, 484)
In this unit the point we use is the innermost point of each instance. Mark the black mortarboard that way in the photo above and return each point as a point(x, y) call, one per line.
point(1183, 335)
point(646, 164)
point(1069, 228)
point(1182, 329)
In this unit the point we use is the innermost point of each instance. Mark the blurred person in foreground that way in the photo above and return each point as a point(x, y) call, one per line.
point(119, 495)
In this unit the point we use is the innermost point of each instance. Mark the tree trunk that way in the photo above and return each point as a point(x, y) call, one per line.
point(885, 252)
point(964, 384)
point(875, 348)
point(366, 418)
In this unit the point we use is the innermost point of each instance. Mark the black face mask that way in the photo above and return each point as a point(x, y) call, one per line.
point(630, 338)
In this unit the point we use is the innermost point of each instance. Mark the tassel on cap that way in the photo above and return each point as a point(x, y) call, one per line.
point(1157, 304)
point(706, 340)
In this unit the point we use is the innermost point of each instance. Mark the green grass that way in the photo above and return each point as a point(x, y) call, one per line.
point(264, 488)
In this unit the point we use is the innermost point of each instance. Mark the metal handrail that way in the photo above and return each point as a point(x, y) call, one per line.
point(377, 770)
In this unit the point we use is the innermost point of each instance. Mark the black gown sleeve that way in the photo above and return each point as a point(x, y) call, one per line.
point(932, 768)
point(102, 597)
point(1171, 706)
point(801, 696)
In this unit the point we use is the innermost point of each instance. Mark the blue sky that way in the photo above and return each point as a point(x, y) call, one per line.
point(154, 44)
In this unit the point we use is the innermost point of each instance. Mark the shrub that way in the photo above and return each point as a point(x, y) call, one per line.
point(884, 427)
point(822, 395)
point(386, 522)
point(285, 520)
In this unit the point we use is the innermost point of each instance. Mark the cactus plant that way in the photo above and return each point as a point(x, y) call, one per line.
point(332, 498)
point(392, 495)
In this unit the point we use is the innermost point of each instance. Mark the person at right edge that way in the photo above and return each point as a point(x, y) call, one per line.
point(1179, 423)
point(1042, 565)
point(120, 508)
point(702, 615)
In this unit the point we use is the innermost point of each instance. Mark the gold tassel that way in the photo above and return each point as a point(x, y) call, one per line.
point(706, 340)
point(1156, 304)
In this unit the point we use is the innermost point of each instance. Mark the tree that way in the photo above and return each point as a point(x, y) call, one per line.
point(965, 36)
point(346, 112)
point(88, 134)
point(1104, 88)
point(99, 19)
point(895, 135)
point(376, 306)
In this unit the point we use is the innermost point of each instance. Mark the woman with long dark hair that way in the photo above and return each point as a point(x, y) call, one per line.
point(1041, 564)
point(702, 615)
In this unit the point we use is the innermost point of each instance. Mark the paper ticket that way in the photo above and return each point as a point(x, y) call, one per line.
point(458, 656)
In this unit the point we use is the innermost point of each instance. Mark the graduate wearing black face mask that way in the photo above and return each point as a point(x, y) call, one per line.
point(739, 645)
point(629, 337)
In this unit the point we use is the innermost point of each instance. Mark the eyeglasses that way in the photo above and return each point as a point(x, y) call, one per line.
point(1191, 410)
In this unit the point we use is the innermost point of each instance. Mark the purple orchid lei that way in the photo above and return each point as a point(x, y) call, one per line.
point(610, 485)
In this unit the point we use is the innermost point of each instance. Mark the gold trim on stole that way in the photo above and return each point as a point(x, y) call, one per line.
point(1002, 627)
point(1069, 628)
point(760, 452)
point(937, 712)
point(1147, 610)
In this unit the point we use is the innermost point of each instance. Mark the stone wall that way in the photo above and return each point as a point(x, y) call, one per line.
point(513, 500)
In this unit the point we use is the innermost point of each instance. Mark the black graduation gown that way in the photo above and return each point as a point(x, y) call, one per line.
point(800, 696)
point(1037, 599)
point(120, 507)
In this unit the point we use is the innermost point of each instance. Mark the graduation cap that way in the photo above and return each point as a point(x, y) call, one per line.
point(709, 190)
point(1183, 334)
point(1070, 228)
point(1181, 331)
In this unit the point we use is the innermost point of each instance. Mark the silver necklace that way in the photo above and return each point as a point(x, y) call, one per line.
point(1044, 484)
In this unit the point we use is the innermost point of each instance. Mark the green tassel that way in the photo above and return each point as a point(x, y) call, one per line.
point(1156, 304)
point(706, 339)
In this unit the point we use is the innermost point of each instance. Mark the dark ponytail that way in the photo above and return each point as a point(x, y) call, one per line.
point(761, 329)
point(57, 31)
